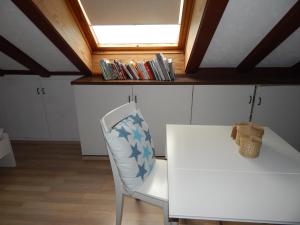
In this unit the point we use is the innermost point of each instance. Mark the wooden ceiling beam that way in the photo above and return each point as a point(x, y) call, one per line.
point(211, 17)
point(12, 51)
point(82, 23)
point(296, 66)
point(39, 19)
point(18, 72)
point(282, 30)
point(29, 72)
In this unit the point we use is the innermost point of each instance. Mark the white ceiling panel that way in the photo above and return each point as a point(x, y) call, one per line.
point(286, 54)
point(21, 32)
point(7, 63)
point(243, 25)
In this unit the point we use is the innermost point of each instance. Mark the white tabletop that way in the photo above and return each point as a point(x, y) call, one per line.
point(209, 179)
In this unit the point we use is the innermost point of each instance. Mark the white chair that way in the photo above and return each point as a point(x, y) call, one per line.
point(154, 189)
point(7, 158)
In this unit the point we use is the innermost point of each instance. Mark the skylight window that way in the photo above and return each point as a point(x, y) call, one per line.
point(137, 34)
point(134, 23)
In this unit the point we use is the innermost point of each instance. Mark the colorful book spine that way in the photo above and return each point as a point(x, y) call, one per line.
point(160, 60)
point(161, 75)
point(143, 70)
point(156, 74)
point(106, 74)
point(139, 73)
point(134, 71)
point(126, 71)
point(159, 68)
point(171, 69)
point(149, 70)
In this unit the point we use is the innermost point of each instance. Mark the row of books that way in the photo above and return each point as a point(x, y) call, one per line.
point(158, 68)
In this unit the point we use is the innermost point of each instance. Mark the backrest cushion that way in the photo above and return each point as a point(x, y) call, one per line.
point(132, 148)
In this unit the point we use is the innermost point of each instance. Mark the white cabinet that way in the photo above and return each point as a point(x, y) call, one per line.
point(161, 105)
point(93, 102)
point(221, 104)
point(278, 107)
point(60, 108)
point(23, 108)
point(35, 108)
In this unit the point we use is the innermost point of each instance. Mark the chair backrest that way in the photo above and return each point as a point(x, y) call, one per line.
point(107, 122)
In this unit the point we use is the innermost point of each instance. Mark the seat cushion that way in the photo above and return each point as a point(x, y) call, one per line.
point(132, 148)
point(156, 184)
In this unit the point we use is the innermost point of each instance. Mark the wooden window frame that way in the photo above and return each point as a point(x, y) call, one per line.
point(91, 39)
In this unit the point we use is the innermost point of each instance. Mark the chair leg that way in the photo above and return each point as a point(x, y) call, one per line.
point(166, 216)
point(119, 207)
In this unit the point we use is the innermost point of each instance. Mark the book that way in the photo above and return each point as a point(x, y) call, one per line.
point(149, 70)
point(132, 69)
point(121, 74)
point(126, 71)
point(110, 69)
point(138, 71)
point(116, 75)
point(156, 65)
point(103, 67)
point(161, 63)
point(143, 70)
point(159, 68)
point(156, 74)
point(171, 69)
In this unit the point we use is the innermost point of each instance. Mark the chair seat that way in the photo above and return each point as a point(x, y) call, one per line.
point(156, 184)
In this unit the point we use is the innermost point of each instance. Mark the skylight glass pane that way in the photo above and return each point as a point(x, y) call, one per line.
point(136, 34)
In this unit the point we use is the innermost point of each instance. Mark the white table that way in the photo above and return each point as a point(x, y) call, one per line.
point(210, 180)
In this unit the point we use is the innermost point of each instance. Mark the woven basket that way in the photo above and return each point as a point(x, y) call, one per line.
point(250, 146)
point(246, 129)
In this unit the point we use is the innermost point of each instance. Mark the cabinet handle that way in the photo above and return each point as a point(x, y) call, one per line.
point(38, 91)
point(128, 98)
point(43, 91)
point(259, 101)
point(135, 99)
point(250, 99)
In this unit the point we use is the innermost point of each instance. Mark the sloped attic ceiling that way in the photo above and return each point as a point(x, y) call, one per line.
point(254, 38)
point(240, 26)
point(8, 63)
point(243, 25)
point(23, 34)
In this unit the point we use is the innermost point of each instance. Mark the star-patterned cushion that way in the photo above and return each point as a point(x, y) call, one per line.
point(133, 150)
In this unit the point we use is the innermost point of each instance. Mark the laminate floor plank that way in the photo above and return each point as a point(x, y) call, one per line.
point(53, 185)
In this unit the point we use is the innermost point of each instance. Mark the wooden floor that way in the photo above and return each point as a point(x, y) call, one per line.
point(52, 185)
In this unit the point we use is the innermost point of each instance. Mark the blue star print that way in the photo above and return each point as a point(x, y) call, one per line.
point(142, 171)
point(137, 135)
point(147, 152)
point(135, 152)
point(148, 136)
point(137, 119)
point(123, 133)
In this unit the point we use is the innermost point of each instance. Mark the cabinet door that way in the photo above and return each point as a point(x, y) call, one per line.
point(60, 107)
point(93, 102)
point(221, 104)
point(161, 105)
point(278, 107)
point(23, 108)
